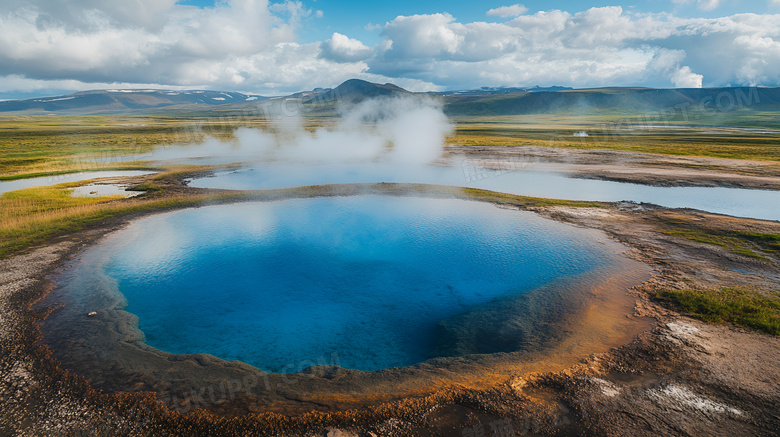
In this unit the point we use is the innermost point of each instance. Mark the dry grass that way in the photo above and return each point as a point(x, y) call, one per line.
point(30, 216)
point(56, 145)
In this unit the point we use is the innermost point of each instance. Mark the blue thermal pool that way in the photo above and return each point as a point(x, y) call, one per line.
point(276, 284)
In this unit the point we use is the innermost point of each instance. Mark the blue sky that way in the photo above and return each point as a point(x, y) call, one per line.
point(353, 17)
point(259, 46)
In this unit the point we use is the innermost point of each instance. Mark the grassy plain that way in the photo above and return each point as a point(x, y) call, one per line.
point(753, 137)
point(32, 146)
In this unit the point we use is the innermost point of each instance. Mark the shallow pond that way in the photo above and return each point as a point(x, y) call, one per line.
point(761, 204)
point(20, 184)
point(99, 190)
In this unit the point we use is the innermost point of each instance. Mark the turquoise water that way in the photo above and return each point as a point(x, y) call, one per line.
point(362, 280)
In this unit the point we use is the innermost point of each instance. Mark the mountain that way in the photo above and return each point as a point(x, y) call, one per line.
point(126, 101)
point(611, 100)
point(194, 101)
point(483, 102)
point(355, 91)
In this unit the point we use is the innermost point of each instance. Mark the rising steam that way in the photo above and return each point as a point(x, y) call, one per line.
point(399, 130)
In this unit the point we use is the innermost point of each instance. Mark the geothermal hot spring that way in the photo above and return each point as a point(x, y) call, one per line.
point(369, 281)
point(369, 278)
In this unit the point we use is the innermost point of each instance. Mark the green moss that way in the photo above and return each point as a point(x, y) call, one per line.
point(769, 242)
point(733, 244)
point(750, 244)
point(743, 307)
point(148, 187)
point(525, 201)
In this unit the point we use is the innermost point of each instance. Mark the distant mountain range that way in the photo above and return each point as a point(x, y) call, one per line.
point(485, 101)
point(124, 101)
point(616, 100)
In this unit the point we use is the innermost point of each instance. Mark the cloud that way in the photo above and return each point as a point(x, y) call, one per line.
point(252, 46)
point(684, 78)
point(241, 45)
point(340, 48)
point(597, 47)
point(668, 64)
point(86, 14)
point(177, 45)
point(423, 38)
point(507, 11)
point(704, 5)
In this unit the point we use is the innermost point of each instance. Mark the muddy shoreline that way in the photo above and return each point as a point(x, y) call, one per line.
point(680, 377)
point(627, 167)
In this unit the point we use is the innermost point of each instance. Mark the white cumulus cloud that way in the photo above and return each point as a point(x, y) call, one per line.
point(507, 11)
point(684, 78)
point(341, 48)
point(596, 47)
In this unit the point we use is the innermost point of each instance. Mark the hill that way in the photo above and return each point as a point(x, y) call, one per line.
point(126, 101)
point(612, 100)
point(355, 91)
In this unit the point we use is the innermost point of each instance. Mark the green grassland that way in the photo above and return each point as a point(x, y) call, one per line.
point(525, 201)
point(33, 146)
point(743, 307)
point(712, 137)
point(43, 146)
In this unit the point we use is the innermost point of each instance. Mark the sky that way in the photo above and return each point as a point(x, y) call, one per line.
point(51, 47)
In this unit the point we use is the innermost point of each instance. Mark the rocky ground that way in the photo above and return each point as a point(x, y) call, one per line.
point(679, 377)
